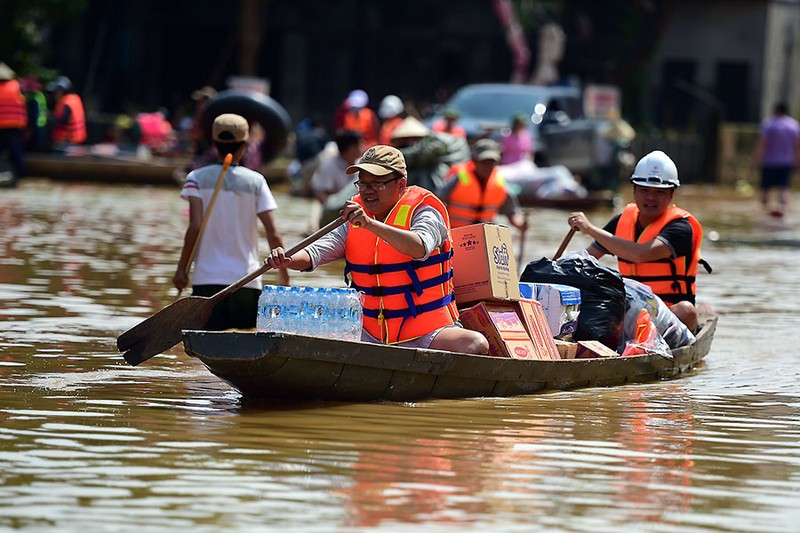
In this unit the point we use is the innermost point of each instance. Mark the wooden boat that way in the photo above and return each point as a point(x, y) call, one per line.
point(278, 366)
point(593, 200)
point(126, 169)
point(108, 169)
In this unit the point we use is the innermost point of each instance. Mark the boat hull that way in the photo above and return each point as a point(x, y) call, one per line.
point(278, 366)
point(117, 169)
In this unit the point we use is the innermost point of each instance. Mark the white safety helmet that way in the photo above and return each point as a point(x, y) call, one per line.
point(656, 170)
point(391, 106)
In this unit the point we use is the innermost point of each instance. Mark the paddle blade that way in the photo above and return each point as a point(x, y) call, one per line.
point(163, 330)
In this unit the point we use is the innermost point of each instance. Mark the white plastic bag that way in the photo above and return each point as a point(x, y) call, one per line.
point(639, 296)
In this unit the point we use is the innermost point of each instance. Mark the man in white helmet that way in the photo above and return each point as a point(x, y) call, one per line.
point(655, 242)
point(392, 113)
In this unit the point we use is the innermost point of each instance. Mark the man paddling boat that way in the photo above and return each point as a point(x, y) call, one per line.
point(397, 249)
point(656, 242)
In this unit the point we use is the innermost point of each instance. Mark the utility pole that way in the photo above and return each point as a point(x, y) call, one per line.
point(251, 25)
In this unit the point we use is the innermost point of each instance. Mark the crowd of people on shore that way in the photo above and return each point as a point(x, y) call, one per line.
point(32, 120)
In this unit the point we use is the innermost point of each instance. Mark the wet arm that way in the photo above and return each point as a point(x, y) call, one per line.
point(275, 240)
point(181, 278)
point(630, 251)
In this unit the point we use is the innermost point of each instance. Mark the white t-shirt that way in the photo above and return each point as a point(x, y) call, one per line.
point(330, 176)
point(228, 248)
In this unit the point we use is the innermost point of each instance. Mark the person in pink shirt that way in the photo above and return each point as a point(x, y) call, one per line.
point(518, 144)
point(778, 151)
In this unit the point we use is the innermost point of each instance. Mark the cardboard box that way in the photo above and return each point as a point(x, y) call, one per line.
point(484, 267)
point(502, 327)
point(590, 349)
point(566, 349)
point(535, 322)
point(561, 305)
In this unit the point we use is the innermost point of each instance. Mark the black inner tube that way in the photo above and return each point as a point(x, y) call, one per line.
point(255, 107)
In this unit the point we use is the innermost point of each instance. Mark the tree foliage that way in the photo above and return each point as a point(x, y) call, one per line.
point(24, 22)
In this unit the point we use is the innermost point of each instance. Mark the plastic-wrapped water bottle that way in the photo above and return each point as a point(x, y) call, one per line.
point(292, 310)
point(313, 313)
point(335, 306)
point(325, 313)
point(262, 320)
point(270, 308)
point(354, 315)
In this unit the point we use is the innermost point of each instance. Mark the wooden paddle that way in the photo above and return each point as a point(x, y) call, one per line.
point(163, 330)
point(564, 243)
point(521, 251)
point(225, 164)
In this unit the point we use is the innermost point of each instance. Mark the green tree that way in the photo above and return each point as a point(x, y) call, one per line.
point(24, 21)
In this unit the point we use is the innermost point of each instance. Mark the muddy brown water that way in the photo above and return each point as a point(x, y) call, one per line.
point(88, 443)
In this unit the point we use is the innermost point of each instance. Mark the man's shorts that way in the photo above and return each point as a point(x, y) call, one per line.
point(237, 310)
point(775, 177)
point(420, 342)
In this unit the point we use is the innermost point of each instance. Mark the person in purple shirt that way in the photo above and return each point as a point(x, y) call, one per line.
point(778, 151)
point(518, 144)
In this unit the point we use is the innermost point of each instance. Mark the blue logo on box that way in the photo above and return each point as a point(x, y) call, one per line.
point(501, 255)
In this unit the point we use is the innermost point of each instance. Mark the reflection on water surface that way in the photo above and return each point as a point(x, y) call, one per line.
point(87, 442)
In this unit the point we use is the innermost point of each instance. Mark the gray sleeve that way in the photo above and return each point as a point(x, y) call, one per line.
point(426, 222)
point(430, 226)
point(510, 206)
point(328, 248)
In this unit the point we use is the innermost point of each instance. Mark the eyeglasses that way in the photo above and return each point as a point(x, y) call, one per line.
point(376, 186)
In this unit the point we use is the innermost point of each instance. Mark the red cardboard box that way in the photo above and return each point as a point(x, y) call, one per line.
point(535, 322)
point(484, 267)
point(502, 327)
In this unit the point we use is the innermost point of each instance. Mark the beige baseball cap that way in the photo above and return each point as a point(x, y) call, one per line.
point(380, 160)
point(230, 128)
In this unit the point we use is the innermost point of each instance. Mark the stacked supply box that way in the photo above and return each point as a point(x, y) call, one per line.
point(566, 349)
point(591, 349)
point(484, 267)
point(560, 303)
point(533, 318)
point(502, 327)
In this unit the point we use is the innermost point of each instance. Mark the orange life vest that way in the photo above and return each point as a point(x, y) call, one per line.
point(365, 122)
point(673, 280)
point(385, 136)
point(12, 106)
point(403, 298)
point(441, 125)
point(73, 131)
point(471, 203)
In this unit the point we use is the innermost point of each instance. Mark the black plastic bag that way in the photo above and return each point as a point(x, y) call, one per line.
point(602, 313)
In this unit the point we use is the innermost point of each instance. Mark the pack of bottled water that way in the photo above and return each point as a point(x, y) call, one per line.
point(332, 313)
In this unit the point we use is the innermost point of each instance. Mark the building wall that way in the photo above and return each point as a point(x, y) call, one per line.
point(781, 80)
point(716, 35)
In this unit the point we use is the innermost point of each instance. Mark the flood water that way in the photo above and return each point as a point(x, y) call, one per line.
point(88, 443)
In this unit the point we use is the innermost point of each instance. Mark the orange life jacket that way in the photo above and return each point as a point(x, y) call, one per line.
point(403, 298)
point(73, 131)
point(673, 280)
point(365, 122)
point(471, 203)
point(441, 125)
point(12, 106)
point(385, 136)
